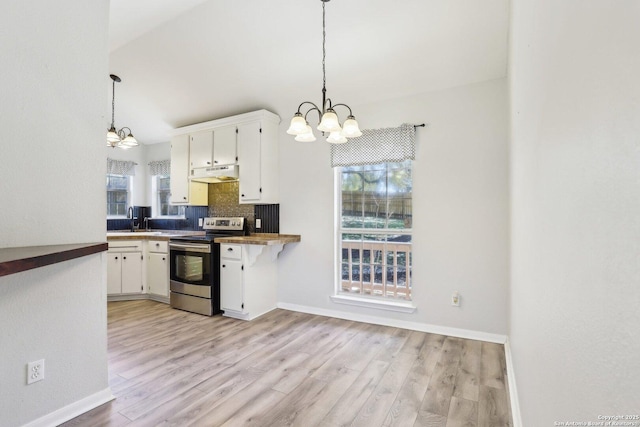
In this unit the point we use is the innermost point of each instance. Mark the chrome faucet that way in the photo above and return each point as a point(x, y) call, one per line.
point(130, 216)
point(146, 223)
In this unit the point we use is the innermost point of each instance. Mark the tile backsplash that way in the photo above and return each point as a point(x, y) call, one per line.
point(223, 201)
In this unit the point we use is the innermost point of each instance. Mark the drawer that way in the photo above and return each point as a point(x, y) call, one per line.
point(125, 246)
point(230, 251)
point(159, 246)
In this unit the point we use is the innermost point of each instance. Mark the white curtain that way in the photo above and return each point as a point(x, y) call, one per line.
point(160, 167)
point(121, 167)
point(376, 146)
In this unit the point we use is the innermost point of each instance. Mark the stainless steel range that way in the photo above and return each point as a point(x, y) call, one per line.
point(195, 266)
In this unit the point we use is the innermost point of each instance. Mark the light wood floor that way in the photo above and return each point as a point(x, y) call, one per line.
point(172, 368)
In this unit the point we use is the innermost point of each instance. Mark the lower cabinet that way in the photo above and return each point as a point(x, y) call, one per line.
point(124, 268)
point(248, 280)
point(231, 280)
point(158, 270)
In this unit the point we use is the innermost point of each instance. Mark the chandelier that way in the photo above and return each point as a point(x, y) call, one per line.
point(329, 121)
point(118, 138)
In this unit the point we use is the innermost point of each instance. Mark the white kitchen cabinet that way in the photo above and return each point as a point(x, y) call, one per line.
point(250, 140)
point(124, 268)
point(248, 280)
point(224, 145)
point(183, 191)
point(231, 280)
point(258, 162)
point(201, 149)
point(158, 270)
point(249, 162)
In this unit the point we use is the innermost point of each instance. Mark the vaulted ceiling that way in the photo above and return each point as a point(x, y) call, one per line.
point(183, 62)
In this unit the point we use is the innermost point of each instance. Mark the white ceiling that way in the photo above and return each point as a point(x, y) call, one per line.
point(188, 61)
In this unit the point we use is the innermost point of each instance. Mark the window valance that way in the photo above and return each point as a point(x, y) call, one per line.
point(121, 167)
point(376, 146)
point(160, 167)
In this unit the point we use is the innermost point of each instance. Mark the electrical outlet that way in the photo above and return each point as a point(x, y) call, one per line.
point(200, 222)
point(35, 371)
point(258, 223)
point(455, 299)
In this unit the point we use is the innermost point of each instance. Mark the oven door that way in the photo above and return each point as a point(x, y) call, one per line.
point(190, 263)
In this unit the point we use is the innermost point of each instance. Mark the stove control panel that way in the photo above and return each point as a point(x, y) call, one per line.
point(224, 223)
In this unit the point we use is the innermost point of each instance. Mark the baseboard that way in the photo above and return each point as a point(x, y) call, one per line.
point(513, 390)
point(132, 297)
point(71, 411)
point(414, 326)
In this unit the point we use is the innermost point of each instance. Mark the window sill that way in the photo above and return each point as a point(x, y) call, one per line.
point(402, 307)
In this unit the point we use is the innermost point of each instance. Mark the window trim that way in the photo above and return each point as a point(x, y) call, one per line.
point(341, 297)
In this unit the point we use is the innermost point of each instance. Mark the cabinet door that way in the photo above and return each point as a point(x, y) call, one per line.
point(180, 169)
point(114, 268)
point(131, 272)
point(231, 287)
point(201, 149)
point(158, 274)
point(249, 161)
point(224, 146)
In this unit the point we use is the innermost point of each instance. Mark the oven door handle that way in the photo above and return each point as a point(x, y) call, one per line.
point(191, 247)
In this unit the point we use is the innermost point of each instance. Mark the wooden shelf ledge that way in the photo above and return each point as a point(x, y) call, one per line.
point(15, 260)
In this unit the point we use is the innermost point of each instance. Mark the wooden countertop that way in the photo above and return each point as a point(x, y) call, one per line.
point(15, 260)
point(260, 239)
point(150, 235)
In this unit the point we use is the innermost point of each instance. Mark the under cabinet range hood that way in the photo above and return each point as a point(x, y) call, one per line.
point(215, 174)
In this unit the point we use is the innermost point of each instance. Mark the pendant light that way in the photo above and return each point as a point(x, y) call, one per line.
point(118, 138)
point(329, 121)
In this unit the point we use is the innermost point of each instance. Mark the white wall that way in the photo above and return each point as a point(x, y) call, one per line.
point(575, 114)
point(52, 116)
point(460, 209)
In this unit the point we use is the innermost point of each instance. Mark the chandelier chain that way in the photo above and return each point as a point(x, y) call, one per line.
point(324, 34)
point(113, 103)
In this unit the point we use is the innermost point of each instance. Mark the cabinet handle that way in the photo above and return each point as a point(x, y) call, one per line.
point(215, 161)
point(116, 257)
point(229, 249)
point(157, 244)
point(163, 258)
point(242, 195)
point(124, 257)
point(208, 163)
point(184, 198)
point(223, 266)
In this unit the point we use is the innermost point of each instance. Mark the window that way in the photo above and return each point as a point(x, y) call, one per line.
point(161, 186)
point(375, 230)
point(118, 191)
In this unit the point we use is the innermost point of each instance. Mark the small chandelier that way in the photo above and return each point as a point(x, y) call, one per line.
point(118, 138)
point(328, 118)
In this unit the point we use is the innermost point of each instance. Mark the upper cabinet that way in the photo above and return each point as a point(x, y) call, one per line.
point(201, 149)
point(184, 191)
point(224, 146)
point(249, 140)
point(213, 147)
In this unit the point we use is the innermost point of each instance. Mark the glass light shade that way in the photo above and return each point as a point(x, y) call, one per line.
point(350, 128)
point(298, 125)
point(112, 136)
point(308, 136)
point(329, 122)
point(336, 138)
point(129, 141)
